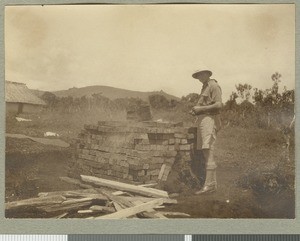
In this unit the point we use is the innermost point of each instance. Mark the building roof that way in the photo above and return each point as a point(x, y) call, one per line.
point(19, 93)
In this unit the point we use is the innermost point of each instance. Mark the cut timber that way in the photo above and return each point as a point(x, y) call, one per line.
point(118, 193)
point(161, 172)
point(76, 201)
point(133, 210)
point(117, 199)
point(88, 195)
point(175, 214)
point(125, 187)
point(148, 185)
point(150, 213)
point(66, 206)
point(147, 199)
point(117, 206)
point(75, 182)
point(36, 202)
point(85, 211)
point(72, 193)
point(97, 208)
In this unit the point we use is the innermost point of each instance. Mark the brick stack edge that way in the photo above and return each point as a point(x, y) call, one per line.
point(134, 151)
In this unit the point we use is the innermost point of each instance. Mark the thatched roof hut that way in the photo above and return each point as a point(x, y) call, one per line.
point(20, 99)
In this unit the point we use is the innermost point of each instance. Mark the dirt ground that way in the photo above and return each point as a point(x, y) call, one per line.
point(254, 178)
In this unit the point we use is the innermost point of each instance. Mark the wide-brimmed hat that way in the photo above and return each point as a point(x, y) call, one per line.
point(197, 74)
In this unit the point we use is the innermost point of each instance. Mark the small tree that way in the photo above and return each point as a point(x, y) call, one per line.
point(273, 103)
point(243, 91)
point(50, 99)
point(158, 101)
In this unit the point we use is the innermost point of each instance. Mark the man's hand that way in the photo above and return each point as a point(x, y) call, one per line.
point(199, 109)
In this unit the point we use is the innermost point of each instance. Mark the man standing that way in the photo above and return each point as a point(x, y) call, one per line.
point(208, 122)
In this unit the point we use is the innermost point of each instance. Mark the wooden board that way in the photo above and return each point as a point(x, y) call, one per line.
point(125, 187)
point(161, 172)
point(150, 213)
point(124, 213)
point(75, 182)
point(174, 214)
point(71, 193)
point(147, 199)
point(120, 200)
point(67, 206)
point(97, 208)
point(117, 206)
point(35, 202)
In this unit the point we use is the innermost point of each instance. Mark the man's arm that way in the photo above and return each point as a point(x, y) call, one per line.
point(207, 109)
point(216, 96)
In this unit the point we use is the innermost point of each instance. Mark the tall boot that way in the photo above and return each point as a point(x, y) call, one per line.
point(211, 178)
point(210, 184)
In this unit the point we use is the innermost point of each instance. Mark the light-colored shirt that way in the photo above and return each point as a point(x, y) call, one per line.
point(211, 93)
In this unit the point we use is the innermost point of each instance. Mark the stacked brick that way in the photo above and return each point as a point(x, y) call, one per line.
point(134, 151)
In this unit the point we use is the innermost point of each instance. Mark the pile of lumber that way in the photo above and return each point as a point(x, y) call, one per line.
point(100, 198)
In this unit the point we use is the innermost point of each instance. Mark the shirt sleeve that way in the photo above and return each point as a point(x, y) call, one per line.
point(216, 93)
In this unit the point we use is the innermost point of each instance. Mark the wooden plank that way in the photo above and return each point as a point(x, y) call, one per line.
point(35, 202)
point(159, 207)
point(175, 214)
point(161, 172)
point(133, 210)
point(97, 208)
point(147, 199)
point(120, 200)
point(125, 187)
point(69, 206)
point(69, 193)
point(117, 206)
point(118, 193)
point(85, 211)
point(75, 182)
point(150, 213)
point(148, 185)
point(75, 201)
point(87, 195)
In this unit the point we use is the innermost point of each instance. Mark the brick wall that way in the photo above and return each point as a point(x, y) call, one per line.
point(133, 151)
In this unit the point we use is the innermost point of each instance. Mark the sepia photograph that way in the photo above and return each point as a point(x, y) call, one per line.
point(150, 111)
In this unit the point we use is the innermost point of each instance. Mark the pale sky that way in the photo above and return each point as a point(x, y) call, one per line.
point(150, 47)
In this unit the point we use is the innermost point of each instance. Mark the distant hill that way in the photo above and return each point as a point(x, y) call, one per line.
point(109, 92)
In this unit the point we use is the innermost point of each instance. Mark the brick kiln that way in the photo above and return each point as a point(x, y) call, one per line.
point(134, 151)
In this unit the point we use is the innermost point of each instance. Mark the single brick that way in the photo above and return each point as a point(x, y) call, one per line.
point(171, 148)
point(171, 141)
point(146, 166)
point(141, 173)
point(185, 147)
point(183, 141)
point(180, 135)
